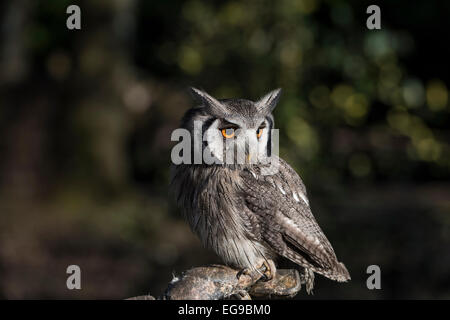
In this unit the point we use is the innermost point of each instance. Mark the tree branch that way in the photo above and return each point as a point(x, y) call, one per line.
point(217, 282)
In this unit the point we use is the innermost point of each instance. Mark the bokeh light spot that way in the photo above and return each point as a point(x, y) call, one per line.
point(360, 165)
point(413, 93)
point(190, 60)
point(437, 95)
point(320, 97)
point(59, 65)
point(304, 136)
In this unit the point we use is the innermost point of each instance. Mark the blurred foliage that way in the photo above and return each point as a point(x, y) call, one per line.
point(86, 116)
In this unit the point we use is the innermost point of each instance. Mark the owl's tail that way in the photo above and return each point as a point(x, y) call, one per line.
point(338, 273)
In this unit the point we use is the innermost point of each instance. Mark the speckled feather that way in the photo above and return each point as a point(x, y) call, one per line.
point(286, 221)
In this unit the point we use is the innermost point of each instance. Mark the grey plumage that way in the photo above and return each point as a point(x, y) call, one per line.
point(245, 216)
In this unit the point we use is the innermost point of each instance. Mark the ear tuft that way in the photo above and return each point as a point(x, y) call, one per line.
point(212, 105)
point(267, 103)
point(197, 94)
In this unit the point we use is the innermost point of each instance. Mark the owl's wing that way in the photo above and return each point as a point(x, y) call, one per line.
point(285, 221)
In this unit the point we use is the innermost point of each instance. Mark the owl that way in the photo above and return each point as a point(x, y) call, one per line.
point(241, 205)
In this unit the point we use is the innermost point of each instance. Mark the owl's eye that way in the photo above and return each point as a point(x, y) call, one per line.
point(228, 133)
point(259, 132)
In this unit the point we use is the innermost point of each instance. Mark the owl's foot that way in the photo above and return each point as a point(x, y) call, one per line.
point(308, 279)
point(265, 272)
point(268, 270)
point(245, 272)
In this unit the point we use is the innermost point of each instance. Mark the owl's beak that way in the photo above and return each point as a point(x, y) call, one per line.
point(250, 157)
point(250, 152)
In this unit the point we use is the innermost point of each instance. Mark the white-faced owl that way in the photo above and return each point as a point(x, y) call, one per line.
point(247, 216)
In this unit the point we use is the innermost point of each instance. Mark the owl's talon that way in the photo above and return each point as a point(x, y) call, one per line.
point(268, 270)
point(255, 275)
point(265, 272)
point(242, 272)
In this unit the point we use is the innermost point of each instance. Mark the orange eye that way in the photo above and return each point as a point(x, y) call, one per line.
point(259, 132)
point(228, 133)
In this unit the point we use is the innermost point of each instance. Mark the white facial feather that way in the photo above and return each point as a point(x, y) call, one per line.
point(263, 141)
point(214, 139)
point(236, 146)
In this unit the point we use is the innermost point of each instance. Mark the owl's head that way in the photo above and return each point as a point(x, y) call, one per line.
point(232, 131)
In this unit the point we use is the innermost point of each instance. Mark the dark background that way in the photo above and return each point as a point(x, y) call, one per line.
point(86, 118)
